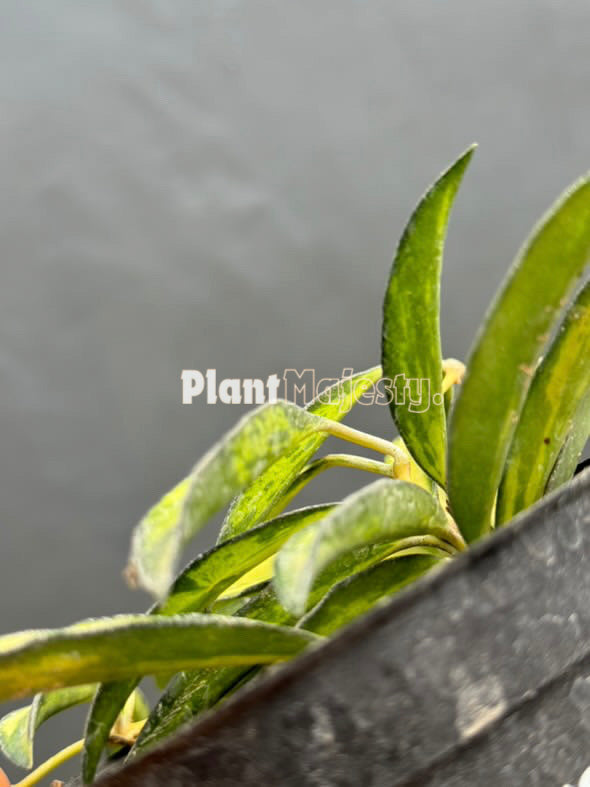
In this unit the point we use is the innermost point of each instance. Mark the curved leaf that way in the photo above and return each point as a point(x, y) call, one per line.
point(17, 729)
point(559, 386)
point(210, 574)
point(194, 589)
point(128, 645)
point(256, 441)
point(411, 347)
point(382, 511)
point(571, 451)
point(506, 354)
point(354, 596)
point(192, 693)
point(264, 498)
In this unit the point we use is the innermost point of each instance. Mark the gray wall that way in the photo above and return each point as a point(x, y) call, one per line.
point(222, 184)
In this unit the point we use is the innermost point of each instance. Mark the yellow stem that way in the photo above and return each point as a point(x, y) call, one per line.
point(363, 439)
point(51, 764)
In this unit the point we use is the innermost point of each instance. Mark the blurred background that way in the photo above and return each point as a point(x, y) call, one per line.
point(223, 184)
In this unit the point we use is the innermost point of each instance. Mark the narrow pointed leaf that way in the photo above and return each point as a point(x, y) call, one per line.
point(265, 497)
point(127, 645)
point(559, 386)
point(354, 596)
point(256, 441)
point(210, 574)
point(383, 511)
point(506, 353)
point(411, 346)
point(571, 451)
point(108, 702)
point(17, 729)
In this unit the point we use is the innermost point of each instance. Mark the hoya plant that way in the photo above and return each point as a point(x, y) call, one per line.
point(475, 446)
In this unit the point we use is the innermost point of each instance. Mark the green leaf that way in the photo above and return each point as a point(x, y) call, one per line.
point(111, 696)
point(265, 497)
point(354, 596)
point(382, 511)
point(573, 446)
point(108, 702)
point(506, 354)
point(256, 441)
point(230, 605)
point(560, 384)
point(411, 346)
point(128, 645)
point(17, 729)
point(188, 695)
point(210, 574)
point(194, 589)
point(192, 693)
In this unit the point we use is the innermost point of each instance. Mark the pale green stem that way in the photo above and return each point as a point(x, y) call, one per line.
point(347, 460)
point(51, 764)
point(365, 440)
point(333, 460)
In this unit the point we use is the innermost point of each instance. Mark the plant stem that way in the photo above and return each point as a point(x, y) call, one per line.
point(313, 469)
point(401, 464)
point(51, 764)
point(348, 460)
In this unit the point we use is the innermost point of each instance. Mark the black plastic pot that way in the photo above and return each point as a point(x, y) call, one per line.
point(478, 675)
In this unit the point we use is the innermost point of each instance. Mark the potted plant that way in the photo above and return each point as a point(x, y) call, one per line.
point(277, 584)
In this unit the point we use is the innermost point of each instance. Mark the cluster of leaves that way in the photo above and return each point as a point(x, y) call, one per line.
point(276, 583)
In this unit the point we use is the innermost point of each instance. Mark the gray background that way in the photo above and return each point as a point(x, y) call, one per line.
point(222, 184)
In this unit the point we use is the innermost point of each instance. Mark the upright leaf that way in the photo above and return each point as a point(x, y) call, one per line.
point(265, 497)
point(110, 698)
point(382, 511)
point(411, 347)
point(128, 645)
point(256, 441)
point(17, 729)
point(572, 448)
point(506, 353)
point(559, 386)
